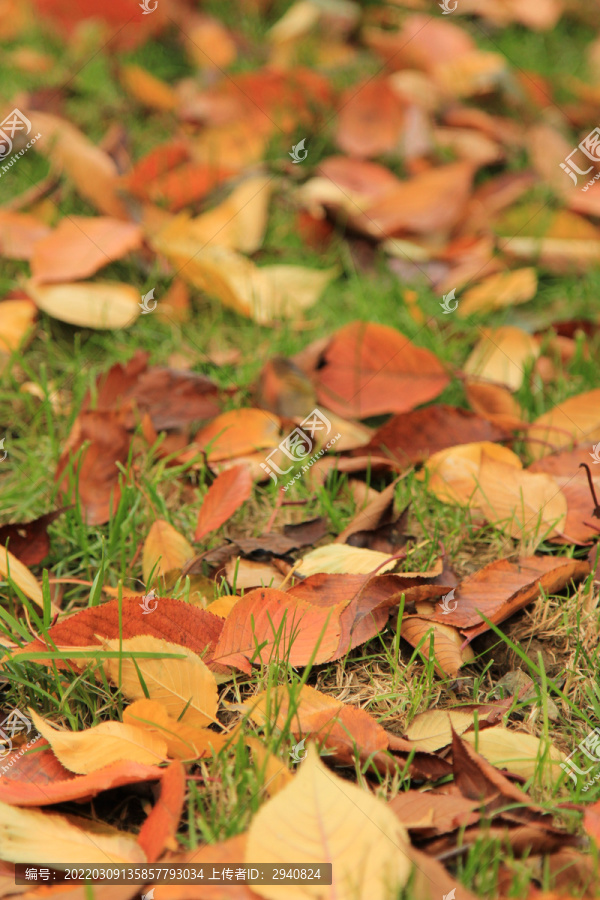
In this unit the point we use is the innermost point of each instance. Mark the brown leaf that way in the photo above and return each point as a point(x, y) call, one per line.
point(161, 826)
point(373, 515)
point(267, 624)
point(371, 369)
point(494, 402)
point(413, 436)
point(579, 526)
point(82, 245)
point(29, 541)
point(38, 778)
point(172, 620)
point(447, 642)
point(105, 442)
point(433, 813)
point(227, 493)
point(370, 120)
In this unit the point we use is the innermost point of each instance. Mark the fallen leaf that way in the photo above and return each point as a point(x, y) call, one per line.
point(320, 814)
point(238, 432)
point(19, 233)
point(343, 559)
point(80, 246)
point(370, 119)
point(497, 291)
point(176, 683)
point(502, 356)
point(165, 549)
point(183, 741)
point(103, 305)
point(527, 506)
point(454, 473)
point(413, 436)
point(16, 318)
point(267, 624)
point(276, 775)
point(494, 402)
point(147, 89)
point(161, 826)
point(514, 750)
point(32, 836)
point(29, 541)
point(228, 492)
point(371, 369)
point(22, 577)
point(86, 751)
point(573, 421)
point(448, 651)
point(432, 730)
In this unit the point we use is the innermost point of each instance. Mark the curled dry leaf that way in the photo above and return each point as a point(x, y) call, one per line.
point(447, 642)
point(101, 305)
point(228, 492)
point(176, 683)
point(42, 838)
point(502, 355)
point(318, 815)
point(165, 549)
point(86, 751)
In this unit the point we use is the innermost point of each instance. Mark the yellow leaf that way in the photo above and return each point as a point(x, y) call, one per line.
point(173, 682)
point(273, 706)
point(576, 420)
point(183, 741)
point(519, 753)
point(164, 549)
point(496, 291)
point(44, 838)
point(502, 355)
point(147, 89)
point(432, 730)
point(262, 294)
point(320, 817)
point(454, 472)
point(277, 776)
point(86, 751)
point(238, 223)
point(22, 577)
point(97, 304)
point(344, 559)
point(16, 318)
point(520, 503)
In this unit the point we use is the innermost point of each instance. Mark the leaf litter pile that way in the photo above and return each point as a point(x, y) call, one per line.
point(343, 610)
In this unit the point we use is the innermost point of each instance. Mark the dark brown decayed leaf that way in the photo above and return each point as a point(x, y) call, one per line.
point(29, 541)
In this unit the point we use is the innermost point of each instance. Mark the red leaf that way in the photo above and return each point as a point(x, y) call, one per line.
point(227, 493)
point(161, 825)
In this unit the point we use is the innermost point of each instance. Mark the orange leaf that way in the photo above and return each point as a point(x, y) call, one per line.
point(82, 245)
point(161, 826)
point(228, 492)
point(239, 432)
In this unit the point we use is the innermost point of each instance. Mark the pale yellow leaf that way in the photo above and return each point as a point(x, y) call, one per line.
point(97, 304)
point(320, 817)
point(519, 753)
point(164, 549)
point(173, 682)
point(22, 577)
point(496, 291)
point(16, 318)
point(454, 472)
point(276, 775)
point(86, 751)
point(520, 503)
point(502, 356)
point(573, 421)
point(238, 223)
point(432, 730)
point(344, 559)
point(45, 838)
